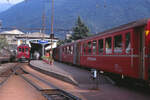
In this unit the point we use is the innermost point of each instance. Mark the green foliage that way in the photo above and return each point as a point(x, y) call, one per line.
point(3, 43)
point(60, 42)
point(80, 31)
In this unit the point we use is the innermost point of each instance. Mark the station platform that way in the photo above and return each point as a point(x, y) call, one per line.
point(67, 73)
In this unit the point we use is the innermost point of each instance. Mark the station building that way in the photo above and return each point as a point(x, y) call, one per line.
point(10, 37)
point(38, 42)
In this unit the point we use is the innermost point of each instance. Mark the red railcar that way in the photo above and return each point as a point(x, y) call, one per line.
point(124, 50)
point(23, 53)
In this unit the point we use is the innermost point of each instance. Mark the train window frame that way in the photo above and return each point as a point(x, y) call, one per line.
point(71, 49)
point(89, 47)
point(128, 48)
point(23, 49)
point(63, 50)
point(101, 50)
point(26, 49)
point(118, 43)
point(84, 48)
point(94, 47)
point(68, 52)
point(108, 50)
point(20, 49)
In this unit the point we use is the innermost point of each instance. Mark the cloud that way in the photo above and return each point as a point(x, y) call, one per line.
point(10, 1)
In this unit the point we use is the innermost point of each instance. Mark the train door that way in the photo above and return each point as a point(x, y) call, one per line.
point(78, 54)
point(60, 53)
point(76, 57)
point(141, 51)
point(74, 53)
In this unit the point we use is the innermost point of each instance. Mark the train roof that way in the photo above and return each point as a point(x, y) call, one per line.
point(121, 28)
point(116, 29)
point(22, 45)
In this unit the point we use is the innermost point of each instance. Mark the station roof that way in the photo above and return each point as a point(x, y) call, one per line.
point(35, 35)
point(11, 32)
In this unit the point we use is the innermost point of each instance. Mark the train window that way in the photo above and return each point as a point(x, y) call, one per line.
point(22, 49)
point(64, 50)
point(71, 49)
point(26, 49)
point(84, 48)
point(127, 43)
point(19, 49)
point(118, 44)
point(94, 46)
point(89, 48)
point(68, 50)
point(100, 46)
point(108, 45)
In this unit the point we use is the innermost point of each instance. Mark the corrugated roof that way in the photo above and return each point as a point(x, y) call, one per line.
point(12, 32)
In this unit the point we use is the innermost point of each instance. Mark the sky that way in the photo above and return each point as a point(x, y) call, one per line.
point(10, 1)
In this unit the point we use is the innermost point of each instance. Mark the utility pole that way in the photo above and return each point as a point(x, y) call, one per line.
point(43, 24)
point(52, 18)
point(52, 30)
point(0, 25)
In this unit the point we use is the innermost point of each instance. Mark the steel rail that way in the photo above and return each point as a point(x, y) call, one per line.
point(48, 93)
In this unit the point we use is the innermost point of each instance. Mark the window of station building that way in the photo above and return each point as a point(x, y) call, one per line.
point(118, 44)
point(100, 46)
point(108, 45)
point(94, 46)
point(127, 43)
point(89, 47)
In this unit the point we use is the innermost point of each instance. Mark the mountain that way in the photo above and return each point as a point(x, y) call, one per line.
point(99, 15)
point(4, 6)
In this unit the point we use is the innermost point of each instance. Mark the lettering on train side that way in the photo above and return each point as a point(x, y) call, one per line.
point(91, 59)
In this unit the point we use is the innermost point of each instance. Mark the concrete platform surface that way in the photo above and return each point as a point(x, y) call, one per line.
point(17, 89)
point(71, 74)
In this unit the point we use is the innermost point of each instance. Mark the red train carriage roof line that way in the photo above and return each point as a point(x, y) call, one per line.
point(120, 28)
point(113, 30)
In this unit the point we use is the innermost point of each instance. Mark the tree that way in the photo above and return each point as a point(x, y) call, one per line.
point(3, 43)
point(60, 42)
point(80, 31)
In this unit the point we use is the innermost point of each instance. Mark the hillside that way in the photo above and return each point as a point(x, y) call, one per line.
point(4, 6)
point(99, 15)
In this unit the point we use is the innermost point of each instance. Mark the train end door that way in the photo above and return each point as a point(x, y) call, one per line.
point(76, 54)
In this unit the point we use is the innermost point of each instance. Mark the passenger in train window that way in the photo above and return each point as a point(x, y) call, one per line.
point(94, 47)
point(100, 46)
point(118, 44)
point(84, 48)
point(128, 49)
point(89, 48)
point(108, 45)
point(127, 43)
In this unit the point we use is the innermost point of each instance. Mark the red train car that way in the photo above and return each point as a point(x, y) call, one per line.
point(23, 53)
point(124, 50)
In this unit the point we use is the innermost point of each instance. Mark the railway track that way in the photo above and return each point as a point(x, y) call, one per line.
point(52, 93)
point(7, 72)
point(49, 94)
